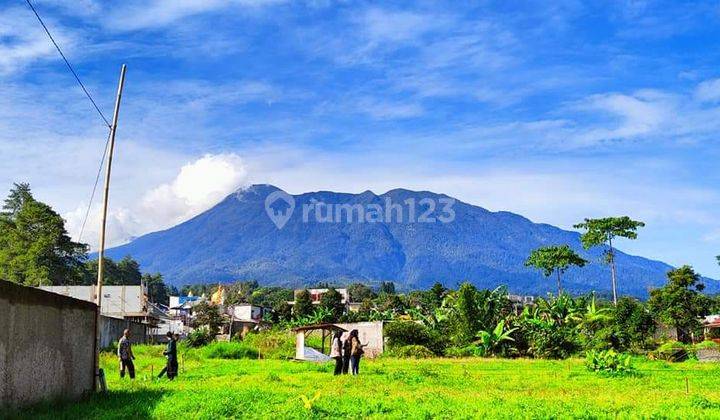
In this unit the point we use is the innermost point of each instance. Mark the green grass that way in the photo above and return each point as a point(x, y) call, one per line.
point(396, 388)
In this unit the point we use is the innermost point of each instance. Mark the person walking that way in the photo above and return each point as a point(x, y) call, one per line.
point(170, 353)
point(347, 346)
point(336, 352)
point(356, 352)
point(125, 355)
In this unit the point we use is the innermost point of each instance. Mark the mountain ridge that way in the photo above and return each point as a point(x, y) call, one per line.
point(236, 240)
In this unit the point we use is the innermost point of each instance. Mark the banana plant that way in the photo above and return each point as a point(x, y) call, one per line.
point(490, 342)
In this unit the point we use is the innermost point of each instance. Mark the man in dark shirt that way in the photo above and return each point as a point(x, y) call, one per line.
point(171, 368)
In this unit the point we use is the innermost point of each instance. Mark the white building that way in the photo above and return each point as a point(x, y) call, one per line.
point(117, 301)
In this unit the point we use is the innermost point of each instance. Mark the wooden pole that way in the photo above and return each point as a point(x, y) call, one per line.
point(101, 244)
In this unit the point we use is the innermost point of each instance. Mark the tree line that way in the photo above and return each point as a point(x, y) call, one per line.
point(36, 250)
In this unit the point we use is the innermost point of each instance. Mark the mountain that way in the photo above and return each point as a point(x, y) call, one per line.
point(236, 239)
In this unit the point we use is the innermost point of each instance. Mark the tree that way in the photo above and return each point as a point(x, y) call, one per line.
point(19, 195)
point(35, 248)
point(332, 301)
point(359, 292)
point(129, 271)
point(303, 304)
point(634, 325)
point(600, 232)
point(554, 259)
point(207, 315)
point(464, 314)
point(680, 303)
point(387, 288)
point(158, 291)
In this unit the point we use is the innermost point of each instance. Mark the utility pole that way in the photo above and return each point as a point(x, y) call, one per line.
point(101, 244)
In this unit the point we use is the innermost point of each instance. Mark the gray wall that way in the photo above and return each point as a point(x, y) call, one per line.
point(111, 329)
point(47, 346)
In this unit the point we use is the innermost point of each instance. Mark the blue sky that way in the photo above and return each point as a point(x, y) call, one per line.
point(554, 110)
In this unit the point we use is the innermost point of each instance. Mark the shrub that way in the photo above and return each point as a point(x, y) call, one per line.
point(412, 351)
point(408, 333)
point(231, 350)
point(609, 362)
point(467, 351)
point(707, 345)
point(674, 351)
point(548, 340)
point(199, 337)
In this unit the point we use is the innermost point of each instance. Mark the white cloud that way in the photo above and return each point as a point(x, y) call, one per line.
point(708, 91)
point(198, 186)
point(23, 41)
point(135, 15)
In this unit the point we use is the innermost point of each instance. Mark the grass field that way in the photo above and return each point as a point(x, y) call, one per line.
point(394, 388)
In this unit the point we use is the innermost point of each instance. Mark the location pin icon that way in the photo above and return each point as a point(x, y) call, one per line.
point(279, 207)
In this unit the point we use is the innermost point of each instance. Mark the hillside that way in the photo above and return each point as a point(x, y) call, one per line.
point(237, 240)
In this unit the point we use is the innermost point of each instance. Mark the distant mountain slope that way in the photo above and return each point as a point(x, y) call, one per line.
point(237, 240)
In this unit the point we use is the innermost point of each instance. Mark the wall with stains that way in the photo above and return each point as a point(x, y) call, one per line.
point(47, 346)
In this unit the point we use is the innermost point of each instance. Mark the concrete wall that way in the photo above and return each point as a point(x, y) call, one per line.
point(370, 333)
point(47, 346)
point(111, 329)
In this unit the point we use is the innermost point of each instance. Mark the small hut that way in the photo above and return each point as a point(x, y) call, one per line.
point(303, 353)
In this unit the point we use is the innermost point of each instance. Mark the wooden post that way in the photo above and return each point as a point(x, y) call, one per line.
point(101, 244)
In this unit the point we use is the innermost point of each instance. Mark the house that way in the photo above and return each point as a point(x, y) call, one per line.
point(246, 317)
point(316, 295)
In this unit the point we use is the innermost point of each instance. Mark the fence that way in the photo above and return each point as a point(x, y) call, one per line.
point(47, 346)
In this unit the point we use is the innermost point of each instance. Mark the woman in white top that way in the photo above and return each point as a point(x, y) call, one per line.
point(336, 352)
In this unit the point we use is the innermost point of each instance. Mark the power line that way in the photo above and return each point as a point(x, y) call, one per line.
point(70, 67)
point(92, 195)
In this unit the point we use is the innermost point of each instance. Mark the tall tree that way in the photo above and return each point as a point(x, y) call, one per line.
point(303, 304)
point(129, 271)
point(602, 232)
point(332, 301)
point(680, 303)
point(158, 291)
point(464, 314)
point(35, 248)
point(387, 288)
point(359, 292)
point(19, 195)
point(554, 259)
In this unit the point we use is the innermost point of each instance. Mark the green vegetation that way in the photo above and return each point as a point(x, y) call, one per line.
point(554, 259)
point(395, 388)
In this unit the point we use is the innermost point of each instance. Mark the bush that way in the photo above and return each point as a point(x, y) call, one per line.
point(408, 333)
point(467, 351)
point(550, 341)
point(199, 337)
point(674, 351)
point(412, 351)
point(707, 345)
point(609, 362)
point(231, 350)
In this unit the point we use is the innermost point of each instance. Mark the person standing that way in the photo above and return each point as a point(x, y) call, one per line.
point(125, 355)
point(356, 352)
point(336, 352)
point(346, 356)
point(171, 356)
